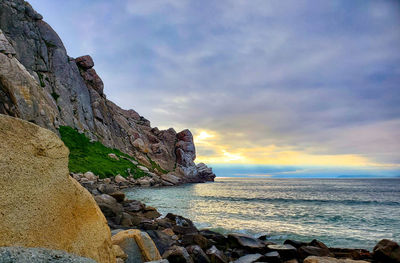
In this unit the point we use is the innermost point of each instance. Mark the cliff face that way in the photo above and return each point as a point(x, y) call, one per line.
point(40, 83)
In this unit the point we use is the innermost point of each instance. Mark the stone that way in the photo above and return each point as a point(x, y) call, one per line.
point(106, 188)
point(314, 259)
point(244, 241)
point(197, 254)
point(107, 180)
point(39, 255)
point(272, 257)
point(147, 247)
point(159, 261)
point(176, 254)
point(5, 46)
point(108, 205)
point(151, 212)
point(386, 251)
point(119, 196)
point(126, 220)
point(35, 178)
point(118, 252)
point(144, 169)
point(250, 258)
point(216, 255)
point(295, 243)
point(119, 179)
point(113, 156)
point(351, 253)
point(85, 62)
point(286, 252)
point(162, 240)
point(90, 176)
point(306, 251)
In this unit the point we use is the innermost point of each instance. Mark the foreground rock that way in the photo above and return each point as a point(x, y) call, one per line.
point(387, 251)
point(39, 255)
point(44, 206)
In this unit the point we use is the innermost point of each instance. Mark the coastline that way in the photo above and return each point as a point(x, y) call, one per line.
point(174, 231)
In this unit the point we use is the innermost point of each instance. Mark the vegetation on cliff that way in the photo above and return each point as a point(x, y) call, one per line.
point(94, 156)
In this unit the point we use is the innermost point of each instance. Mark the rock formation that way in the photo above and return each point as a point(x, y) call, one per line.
point(40, 204)
point(40, 83)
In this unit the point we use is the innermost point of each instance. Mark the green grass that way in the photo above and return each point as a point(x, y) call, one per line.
point(93, 156)
point(55, 95)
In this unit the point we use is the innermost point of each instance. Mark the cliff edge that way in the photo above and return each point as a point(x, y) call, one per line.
point(40, 83)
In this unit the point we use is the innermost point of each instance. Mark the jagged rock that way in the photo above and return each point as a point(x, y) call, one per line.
point(387, 251)
point(85, 62)
point(306, 251)
point(171, 178)
point(5, 46)
point(205, 172)
point(295, 243)
point(272, 257)
point(39, 255)
point(35, 179)
point(182, 225)
point(350, 253)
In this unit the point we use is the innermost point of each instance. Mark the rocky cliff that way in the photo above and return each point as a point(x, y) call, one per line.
point(40, 83)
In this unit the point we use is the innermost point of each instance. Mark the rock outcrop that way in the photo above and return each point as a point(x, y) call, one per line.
point(40, 204)
point(40, 83)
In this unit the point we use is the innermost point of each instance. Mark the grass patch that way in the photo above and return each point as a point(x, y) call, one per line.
point(93, 156)
point(40, 75)
point(155, 165)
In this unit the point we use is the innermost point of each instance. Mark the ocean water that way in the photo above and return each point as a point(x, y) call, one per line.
point(353, 213)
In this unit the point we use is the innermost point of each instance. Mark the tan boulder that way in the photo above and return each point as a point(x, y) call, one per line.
point(146, 245)
point(314, 259)
point(41, 205)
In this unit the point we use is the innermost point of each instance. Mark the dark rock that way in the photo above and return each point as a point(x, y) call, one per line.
point(295, 243)
point(133, 206)
point(286, 252)
point(119, 196)
point(151, 212)
point(148, 225)
point(176, 254)
point(386, 251)
point(316, 243)
point(181, 225)
point(108, 205)
point(306, 251)
point(162, 240)
point(244, 241)
point(130, 247)
point(217, 239)
point(250, 258)
point(216, 256)
point(126, 220)
point(355, 254)
point(272, 257)
point(194, 238)
point(197, 254)
point(85, 62)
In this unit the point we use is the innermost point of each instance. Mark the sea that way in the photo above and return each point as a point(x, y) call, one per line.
point(346, 213)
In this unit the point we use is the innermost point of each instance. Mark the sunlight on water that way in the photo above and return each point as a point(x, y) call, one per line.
point(344, 213)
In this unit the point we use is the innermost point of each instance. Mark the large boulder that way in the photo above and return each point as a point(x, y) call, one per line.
point(387, 251)
point(43, 206)
point(39, 255)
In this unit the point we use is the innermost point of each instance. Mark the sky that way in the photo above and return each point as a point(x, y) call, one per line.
point(260, 82)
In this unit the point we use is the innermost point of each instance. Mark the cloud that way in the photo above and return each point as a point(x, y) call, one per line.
point(310, 78)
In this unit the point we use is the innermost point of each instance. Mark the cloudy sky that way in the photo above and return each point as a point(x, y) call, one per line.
point(293, 82)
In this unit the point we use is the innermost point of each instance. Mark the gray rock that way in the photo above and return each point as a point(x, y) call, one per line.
point(39, 255)
point(250, 258)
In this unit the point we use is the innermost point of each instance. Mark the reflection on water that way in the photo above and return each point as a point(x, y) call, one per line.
point(345, 213)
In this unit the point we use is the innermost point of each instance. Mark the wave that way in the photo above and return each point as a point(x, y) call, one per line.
point(292, 200)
